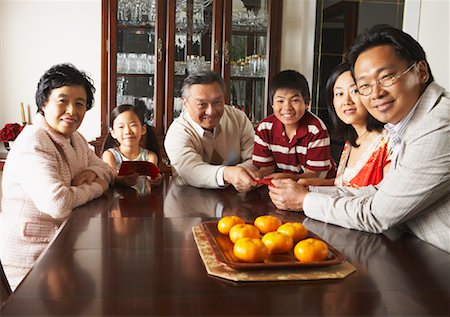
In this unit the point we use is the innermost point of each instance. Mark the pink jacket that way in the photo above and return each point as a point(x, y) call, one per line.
point(37, 192)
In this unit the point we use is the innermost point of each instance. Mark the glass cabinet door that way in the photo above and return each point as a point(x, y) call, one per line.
point(245, 55)
point(137, 51)
point(190, 38)
point(150, 46)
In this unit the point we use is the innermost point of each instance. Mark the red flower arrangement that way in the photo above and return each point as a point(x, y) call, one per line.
point(10, 132)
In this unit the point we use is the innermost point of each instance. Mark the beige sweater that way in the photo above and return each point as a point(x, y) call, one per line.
point(190, 148)
point(37, 192)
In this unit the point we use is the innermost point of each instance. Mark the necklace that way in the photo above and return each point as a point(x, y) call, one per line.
point(362, 135)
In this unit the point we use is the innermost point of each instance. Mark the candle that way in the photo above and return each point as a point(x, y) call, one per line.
point(22, 112)
point(28, 114)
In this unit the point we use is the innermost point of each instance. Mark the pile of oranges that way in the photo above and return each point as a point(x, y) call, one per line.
point(277, 238)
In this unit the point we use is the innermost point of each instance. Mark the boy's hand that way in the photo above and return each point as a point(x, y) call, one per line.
point(284, 175)
point(265, 172)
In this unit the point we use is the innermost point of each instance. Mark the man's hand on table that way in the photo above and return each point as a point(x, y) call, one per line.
point(242, 179)
point(287, 194)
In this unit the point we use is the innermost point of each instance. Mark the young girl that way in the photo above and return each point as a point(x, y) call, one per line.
point(123, 142)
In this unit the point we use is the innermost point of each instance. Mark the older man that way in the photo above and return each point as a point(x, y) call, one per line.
point(396, 86)
point(211, 144)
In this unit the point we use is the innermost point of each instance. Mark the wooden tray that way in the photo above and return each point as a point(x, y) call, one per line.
point(222, 247)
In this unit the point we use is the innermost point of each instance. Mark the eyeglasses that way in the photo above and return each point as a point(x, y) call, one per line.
point(385, 81)
point(203, 105)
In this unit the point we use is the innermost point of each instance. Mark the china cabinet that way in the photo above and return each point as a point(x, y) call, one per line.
point(150, 46)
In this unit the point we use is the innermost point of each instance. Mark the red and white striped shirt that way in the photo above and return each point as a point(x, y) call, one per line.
point(308, 149)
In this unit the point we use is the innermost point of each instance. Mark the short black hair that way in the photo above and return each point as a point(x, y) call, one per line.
point(201, 78)
point(63, 75)
point(290, 79)
point(406, 47)
point(343, 131)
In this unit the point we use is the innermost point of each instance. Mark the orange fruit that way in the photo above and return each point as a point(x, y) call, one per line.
point(311, 250)
point(267, 223)
point(243, 230)
point(277, 242)
point(250, 250)
point(226, 223)
point(224, 243)
point(296, 230)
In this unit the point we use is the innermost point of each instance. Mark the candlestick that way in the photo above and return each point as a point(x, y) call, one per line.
point(22, 112)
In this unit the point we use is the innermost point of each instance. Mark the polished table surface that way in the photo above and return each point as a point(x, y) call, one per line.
point(132, 254)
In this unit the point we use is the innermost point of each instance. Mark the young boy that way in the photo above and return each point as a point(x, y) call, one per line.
point(292, 142)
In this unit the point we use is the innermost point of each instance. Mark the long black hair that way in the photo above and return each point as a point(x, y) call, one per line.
point(149, 140)
point(343, 131)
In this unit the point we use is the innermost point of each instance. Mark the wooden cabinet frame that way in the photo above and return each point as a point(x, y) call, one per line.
point(164, 53)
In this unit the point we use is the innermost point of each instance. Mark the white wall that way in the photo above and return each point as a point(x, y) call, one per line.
point(297, 38)
point(428, 22)
point(34, 35)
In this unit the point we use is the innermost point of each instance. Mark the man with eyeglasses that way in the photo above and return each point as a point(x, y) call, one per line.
point(211, 144)
point(396, 86)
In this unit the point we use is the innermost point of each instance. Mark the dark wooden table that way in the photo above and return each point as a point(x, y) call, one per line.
point(130, 254)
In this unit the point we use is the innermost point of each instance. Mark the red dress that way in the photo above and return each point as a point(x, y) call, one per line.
point(369, 169)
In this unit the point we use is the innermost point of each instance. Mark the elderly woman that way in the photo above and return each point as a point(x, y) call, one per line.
point(50, 170)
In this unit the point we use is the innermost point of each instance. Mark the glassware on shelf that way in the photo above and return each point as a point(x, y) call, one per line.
point(261, 19)
point(234, 68)
point(249, 20)
point(133, 63)
point(136, 12)
point(180, 40)
point(124, 99)
point(180, 67)
point(147, 63)
point(199, 21)
point(197, 39)
point(196, 63)
point(254, 65)
point(149, 105)
point(250, 66)
point(180, 14)
point(244, 68)
point(121, 60)
point(121, 85)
